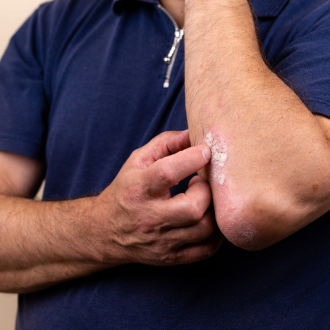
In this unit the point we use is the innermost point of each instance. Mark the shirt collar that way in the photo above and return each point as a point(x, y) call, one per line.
point(262, 8)
point(115, 2)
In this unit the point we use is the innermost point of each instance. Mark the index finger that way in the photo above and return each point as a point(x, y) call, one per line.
point(161, 146)
point(169, 171)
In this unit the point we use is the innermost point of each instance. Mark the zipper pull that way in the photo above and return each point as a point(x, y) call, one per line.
point(178, 34)
point(170, 58)
point(166, 83)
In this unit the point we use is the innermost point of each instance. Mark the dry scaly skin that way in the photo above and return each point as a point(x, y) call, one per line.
point(219, 157)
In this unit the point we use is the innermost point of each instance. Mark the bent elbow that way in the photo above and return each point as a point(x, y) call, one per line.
point(257, 224)
point(246, 234)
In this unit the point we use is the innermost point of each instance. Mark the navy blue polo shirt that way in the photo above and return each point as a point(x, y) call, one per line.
point(81, 87)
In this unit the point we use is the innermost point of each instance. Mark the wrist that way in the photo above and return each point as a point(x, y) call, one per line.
point(74, 231)
point(100, 228)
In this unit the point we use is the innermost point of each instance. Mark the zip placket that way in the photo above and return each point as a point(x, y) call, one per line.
point(170, 58)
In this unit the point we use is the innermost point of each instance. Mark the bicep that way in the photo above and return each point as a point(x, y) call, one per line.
point(19, 175)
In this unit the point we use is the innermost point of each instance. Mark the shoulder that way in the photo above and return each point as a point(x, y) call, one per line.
point(53, 24)
point(67, 11)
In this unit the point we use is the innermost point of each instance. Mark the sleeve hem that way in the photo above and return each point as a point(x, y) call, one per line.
point(24, 148)
point(320, 107)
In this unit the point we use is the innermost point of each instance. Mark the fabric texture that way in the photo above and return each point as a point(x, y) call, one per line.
point(81, 87)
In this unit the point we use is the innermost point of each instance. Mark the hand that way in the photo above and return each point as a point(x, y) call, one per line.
point(137, 217)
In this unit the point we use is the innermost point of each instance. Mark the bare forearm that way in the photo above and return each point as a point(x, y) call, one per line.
point(271, 178)
point(224, 66)
point(44, 243)
point(221, 49)
point(134, 220)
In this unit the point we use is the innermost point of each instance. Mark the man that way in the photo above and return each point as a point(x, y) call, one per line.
point(83, 84)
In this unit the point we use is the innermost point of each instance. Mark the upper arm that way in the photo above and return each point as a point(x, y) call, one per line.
point(24, 109)
point(19, 175)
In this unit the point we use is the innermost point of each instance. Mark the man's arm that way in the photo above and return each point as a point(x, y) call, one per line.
point(36, 246)
point(270, 172)
point(134, 220)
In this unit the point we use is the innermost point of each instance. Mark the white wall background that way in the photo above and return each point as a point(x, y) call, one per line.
point(12, 14)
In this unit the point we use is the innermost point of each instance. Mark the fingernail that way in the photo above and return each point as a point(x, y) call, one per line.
point(207, 154)
point(186, 130)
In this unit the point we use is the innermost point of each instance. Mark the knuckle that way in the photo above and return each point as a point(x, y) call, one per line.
point(162, 173)
point(135, 153)
point(166, 256)
point(159, 139)
point(185, 256)
point(196, 211)
point(165, 135)
point(208, 228)
point(157, 151)
point(169, 259)
point(135, 157)
point(164, 245)
point(210, 250)
point(165, 173)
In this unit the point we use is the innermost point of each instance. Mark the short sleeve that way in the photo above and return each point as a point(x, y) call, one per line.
point(304, 62)
point(23, 104)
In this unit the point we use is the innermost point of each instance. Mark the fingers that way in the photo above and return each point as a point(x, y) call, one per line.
point(188, 208)
point(200, 251)
point(195, 252)
point(195, 233)
point(169, 171)
point(195, 179)
point(161, 146)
